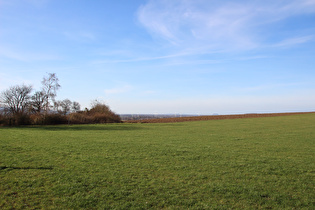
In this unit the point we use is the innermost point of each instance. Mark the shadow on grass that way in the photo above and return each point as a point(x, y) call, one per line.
point(90, 127)
point(25, 168)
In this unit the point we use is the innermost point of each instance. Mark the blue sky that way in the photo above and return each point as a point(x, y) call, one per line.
point(161, 56)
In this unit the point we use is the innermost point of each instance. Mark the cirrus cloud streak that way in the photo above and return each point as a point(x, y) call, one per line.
point(220, 25)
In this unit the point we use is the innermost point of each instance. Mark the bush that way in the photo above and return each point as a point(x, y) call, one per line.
point(37, 119)
point(14, 120)
point(3, 120)
point(85, 118)
point(54, 119)
point(79, 118)
point(100, 113)
point(21, 119)
point(48, 119)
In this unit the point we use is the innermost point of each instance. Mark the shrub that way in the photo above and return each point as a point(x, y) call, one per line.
point(55, 119)
point(79, 118)
point(100, 113)
point(14, 120)
point(37, 119)
point(21, 119)
point(3, 120)
point(48, 119)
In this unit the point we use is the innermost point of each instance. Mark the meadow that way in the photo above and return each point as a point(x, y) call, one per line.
point(252, 163)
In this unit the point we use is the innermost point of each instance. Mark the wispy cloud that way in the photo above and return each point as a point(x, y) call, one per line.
point(294, 41)
point(182, 53)
point(191, 28)
point(139, 59)
point(217, 25)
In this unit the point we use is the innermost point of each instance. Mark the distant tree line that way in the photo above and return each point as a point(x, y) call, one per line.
point(18, 106)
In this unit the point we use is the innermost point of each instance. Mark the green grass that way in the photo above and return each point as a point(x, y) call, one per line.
point(261, 163)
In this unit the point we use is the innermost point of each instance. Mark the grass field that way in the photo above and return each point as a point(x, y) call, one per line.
point(259, 163)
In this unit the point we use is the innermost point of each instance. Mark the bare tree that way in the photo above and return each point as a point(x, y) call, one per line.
point(57, 105)
point(66, 106)
point(50, 87)
point(17, 99)
point(76, 106)
point(38, 101)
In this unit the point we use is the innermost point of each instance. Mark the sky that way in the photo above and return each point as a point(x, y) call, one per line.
point(161, 56)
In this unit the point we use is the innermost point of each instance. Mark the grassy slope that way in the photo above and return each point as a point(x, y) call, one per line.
point(243, 163)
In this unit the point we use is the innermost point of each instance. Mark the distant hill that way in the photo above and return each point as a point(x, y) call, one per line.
point(183, 118)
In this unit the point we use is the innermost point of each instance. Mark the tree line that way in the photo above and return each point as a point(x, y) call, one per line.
point(18, 106)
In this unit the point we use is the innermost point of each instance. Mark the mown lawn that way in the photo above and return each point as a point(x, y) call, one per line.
point(266, 163)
